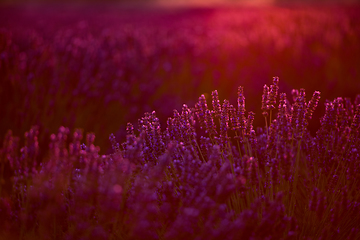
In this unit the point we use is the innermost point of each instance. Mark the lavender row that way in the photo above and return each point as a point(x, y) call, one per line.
point(99, 71)
point(207, 175)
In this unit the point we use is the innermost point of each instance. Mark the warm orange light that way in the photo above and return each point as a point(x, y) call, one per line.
point(180, 3)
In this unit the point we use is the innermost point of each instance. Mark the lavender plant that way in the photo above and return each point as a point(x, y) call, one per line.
point(207, 175)
point(72, 68)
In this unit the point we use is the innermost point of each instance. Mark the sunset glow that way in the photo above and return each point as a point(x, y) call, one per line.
point(205, 3)
point(173, 120)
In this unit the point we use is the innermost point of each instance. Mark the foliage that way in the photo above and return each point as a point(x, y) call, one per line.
point(208, 175)
point(99, 68)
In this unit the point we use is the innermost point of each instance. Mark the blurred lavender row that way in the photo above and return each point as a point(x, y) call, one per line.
point(97, 69)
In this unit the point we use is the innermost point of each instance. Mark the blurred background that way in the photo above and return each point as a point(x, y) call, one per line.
point(185, 2)
point(97, 66)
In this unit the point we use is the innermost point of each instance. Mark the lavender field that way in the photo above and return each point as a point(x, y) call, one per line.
point(132, 124)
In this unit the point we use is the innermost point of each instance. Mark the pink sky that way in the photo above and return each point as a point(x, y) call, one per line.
point(244, 2)
point(212, 2)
